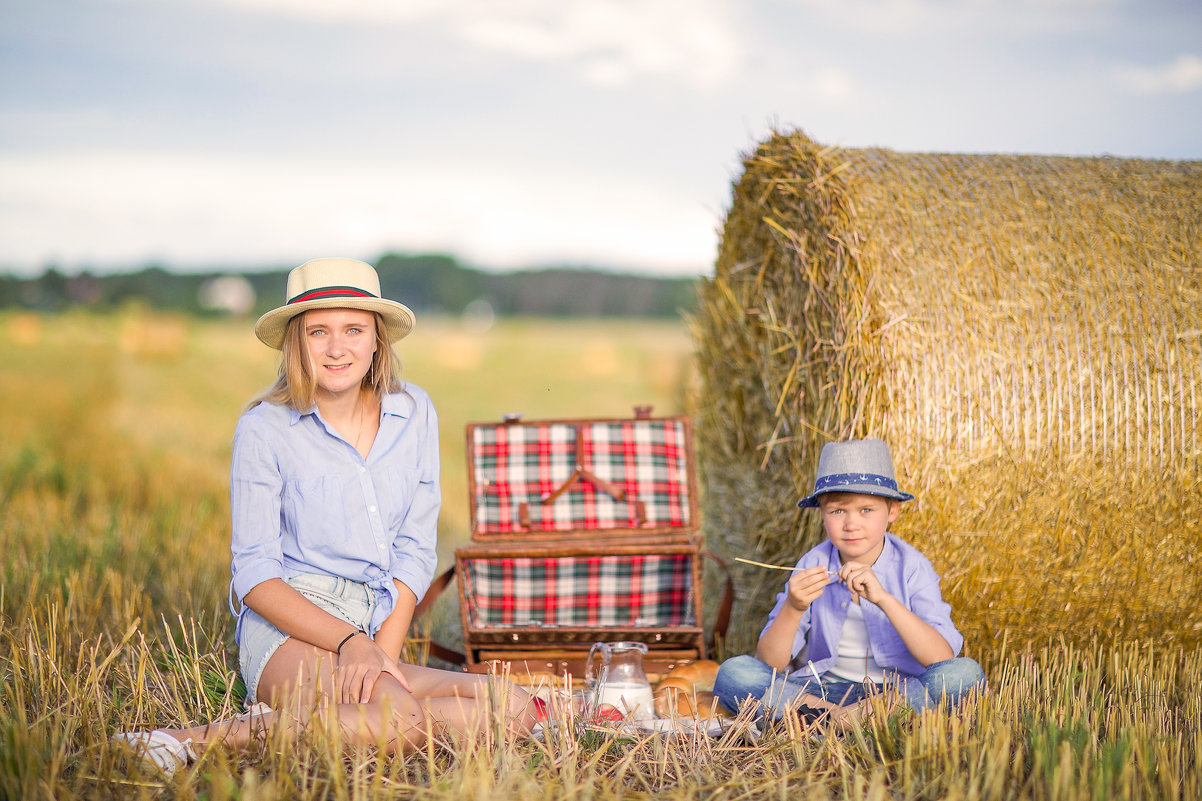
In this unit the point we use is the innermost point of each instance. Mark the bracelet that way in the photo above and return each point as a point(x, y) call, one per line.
point(345, 639)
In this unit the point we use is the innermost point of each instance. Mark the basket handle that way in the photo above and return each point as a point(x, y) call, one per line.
point(582, 472)
point(722, 616)
point(437, 587)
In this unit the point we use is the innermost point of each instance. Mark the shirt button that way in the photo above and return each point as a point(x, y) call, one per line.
point(371, 508)
point(381, 547)
point(362, 469)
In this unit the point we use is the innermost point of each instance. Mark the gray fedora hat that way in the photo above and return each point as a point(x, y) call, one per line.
point(333, 284)
point(859, 465)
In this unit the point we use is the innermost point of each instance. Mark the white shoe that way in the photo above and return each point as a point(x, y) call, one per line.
point(158, 749)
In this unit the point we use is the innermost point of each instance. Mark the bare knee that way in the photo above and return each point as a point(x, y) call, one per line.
point(394, 719)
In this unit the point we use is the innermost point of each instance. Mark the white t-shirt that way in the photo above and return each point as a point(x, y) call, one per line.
point(855, 661)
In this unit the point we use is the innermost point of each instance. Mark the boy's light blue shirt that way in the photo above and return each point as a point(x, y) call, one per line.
point(303, 500)
point(905, 574)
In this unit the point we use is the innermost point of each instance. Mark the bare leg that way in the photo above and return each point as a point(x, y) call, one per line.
point(238, 732)
point(300, 678)
point(460, 701)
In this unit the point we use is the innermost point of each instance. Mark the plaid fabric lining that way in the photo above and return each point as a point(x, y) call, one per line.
point(579, 591)
point(516, 464)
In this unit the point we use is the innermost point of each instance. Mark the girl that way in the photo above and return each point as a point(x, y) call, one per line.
point(334, 494)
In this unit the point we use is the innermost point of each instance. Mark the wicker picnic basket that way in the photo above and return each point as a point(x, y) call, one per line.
point(583, 531)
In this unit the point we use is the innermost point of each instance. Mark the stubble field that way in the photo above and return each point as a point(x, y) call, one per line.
point(114, 444)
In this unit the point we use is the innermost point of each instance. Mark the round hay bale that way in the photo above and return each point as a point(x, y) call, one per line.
point(1023, 330)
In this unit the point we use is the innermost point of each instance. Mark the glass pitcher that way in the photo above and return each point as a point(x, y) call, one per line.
point(621, 682)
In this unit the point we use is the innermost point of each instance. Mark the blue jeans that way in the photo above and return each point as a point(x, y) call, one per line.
point(745, 677)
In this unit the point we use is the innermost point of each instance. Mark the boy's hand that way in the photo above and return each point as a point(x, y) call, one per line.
point(862, 582)
point(806, 585)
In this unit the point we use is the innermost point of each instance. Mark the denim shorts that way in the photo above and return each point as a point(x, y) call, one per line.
point(258, 639)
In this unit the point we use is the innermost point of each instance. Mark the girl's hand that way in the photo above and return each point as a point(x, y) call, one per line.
point(862, 582)
point(806, 585)
point(360, 666)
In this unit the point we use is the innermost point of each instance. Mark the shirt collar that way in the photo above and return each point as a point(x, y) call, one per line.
point(399, 404)
point(889, 552)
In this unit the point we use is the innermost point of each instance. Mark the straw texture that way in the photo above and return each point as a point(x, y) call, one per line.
point(1023, 330)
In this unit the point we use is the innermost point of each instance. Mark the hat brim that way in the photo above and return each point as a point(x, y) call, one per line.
point(811, 501)
point(398, 319)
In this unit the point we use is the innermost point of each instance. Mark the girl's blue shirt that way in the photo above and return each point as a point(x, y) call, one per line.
point(304, 500)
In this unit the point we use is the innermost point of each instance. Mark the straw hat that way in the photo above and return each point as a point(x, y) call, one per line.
point(859, 465)
point(333, 284)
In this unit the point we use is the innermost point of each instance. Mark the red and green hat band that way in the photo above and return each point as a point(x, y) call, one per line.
point(331, 292)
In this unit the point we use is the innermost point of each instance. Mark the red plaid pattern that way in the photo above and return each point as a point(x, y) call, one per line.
point(516, 464)
point(578, 591)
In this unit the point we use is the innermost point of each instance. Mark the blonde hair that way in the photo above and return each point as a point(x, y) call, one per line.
point(296, 385)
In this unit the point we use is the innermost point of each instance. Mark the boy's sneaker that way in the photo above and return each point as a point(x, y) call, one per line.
point(812, 725)
point(812, 716)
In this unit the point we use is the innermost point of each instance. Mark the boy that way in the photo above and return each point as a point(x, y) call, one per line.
point(860, 611)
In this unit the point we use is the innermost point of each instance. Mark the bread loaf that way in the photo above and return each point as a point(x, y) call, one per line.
point(687, 690)
point(701, 673)
point(672, 697)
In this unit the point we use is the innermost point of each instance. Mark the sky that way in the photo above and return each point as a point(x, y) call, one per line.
point(243, 134)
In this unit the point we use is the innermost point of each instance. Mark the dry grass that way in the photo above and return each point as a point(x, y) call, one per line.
point(112, 616)
point(1064, 723)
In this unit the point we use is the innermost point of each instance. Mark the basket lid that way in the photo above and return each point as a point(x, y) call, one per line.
point(548, 478)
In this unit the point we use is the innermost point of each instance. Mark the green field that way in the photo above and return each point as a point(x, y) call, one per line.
point(114, 445)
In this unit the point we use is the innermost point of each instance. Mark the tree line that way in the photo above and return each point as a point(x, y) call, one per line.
point(426, 283)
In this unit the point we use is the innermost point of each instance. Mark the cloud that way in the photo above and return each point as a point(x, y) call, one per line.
point(605, 42)
point(107, 208)
point(371, 11)
point(834, 84)
point(895, 19)
point(614, 42)
point(1181, 75)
